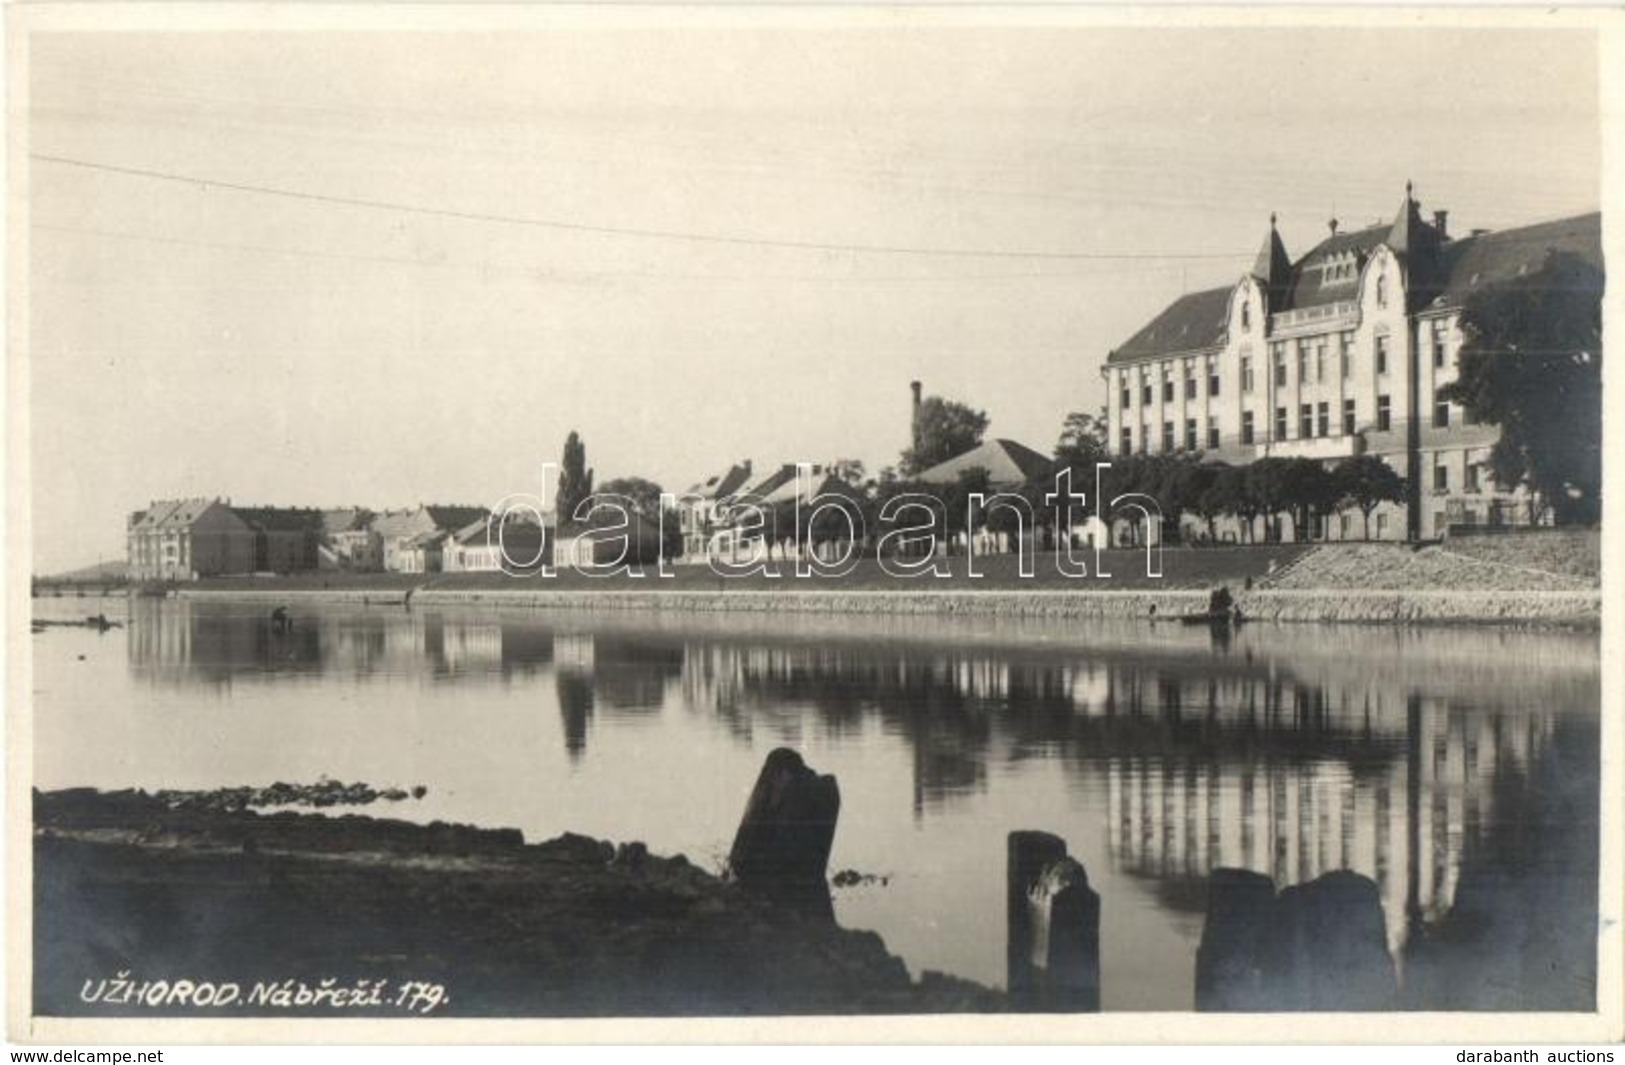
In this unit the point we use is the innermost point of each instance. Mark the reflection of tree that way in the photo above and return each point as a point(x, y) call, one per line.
point(575, 707)
point(630, 676)
point(1520, 931)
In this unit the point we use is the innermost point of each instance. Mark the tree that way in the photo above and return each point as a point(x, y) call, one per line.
point(1266, 491)
point(643, 493)
point(1366, 482)
point(1531, 363)
point(942, 429)
point(1083, 441)
point(1231, 493)
point(575, 480)
point(1209, 489)
point(1309, 491)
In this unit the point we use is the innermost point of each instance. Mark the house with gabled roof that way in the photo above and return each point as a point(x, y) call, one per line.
point(349, 541)
point(186, 539)
point(412, 540)
point(1341, 352)
point(697, 507)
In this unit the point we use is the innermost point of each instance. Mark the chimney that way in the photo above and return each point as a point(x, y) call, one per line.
point(914, 386)
point(1439, 218)
point(1331, 224)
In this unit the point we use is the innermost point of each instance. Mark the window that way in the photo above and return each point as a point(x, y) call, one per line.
point(1441, 478)
point(1320, 359)
point(1190, 385)
point(1213, 384)
point(1167, 436)
point(1280, 423)
point(1382, 526)
point(1246, 427)
point(1382, 354)
point(1441, 415)
point(1384, 421)
point(1306, 421)
point(1303, 360)
point(1213, 436)
point(1440, 339)
point(1167, 389)
point(1323, 419)
point(1344, 524)
point(1472, 477)
point(1190, 434)
point(1348, 354)
point(1145, 395)
point(1145, 437)
point(1382, 290)
point(1125, 441)
point(1348, 417)
point(1246, 373)
point(1128, 398)
point(1246, 315)
point(1279, 351)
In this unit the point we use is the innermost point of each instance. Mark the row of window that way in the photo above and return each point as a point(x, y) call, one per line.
point(1314, 421)
point(1311, 354)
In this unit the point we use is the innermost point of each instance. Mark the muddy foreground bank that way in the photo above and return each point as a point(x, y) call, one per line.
point(132, 897)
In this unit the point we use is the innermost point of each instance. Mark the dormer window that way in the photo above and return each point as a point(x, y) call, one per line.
point(1382, 290)
point(1246, 315)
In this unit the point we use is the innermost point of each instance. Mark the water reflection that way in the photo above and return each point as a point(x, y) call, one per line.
point(1456, 770)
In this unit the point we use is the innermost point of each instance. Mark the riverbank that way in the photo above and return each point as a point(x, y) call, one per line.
point(134, 892)
point(1360, 583)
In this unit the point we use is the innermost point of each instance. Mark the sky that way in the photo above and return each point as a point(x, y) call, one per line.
point(382, 269)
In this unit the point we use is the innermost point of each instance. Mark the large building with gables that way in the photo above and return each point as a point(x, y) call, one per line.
point(1340, 352)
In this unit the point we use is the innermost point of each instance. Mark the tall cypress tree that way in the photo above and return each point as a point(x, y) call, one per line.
point(575, 480)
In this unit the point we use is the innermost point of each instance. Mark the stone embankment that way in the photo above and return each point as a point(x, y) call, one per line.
point(1478, 580)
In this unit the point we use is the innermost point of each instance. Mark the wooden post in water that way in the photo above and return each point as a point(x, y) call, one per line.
point(1322, 945)
point(1052, 927)
point(1233, 961)
point(784, 838)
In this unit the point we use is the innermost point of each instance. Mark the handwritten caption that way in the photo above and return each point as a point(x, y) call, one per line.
point(419, 997)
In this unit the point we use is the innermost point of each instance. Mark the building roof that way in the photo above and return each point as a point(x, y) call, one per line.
point(722, 485)
point(448, 518)
point(172, 514)
point(1476, 262)
point(1005, 461)
point(517, 522)
point(771, 483)
point(1190, 323)
point(345, 519)
point(820, 484)
point(1330, 272)
point(280, 519)
point(394, 523)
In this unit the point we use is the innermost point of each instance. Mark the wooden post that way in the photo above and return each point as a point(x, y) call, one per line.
point(784, 838)
point(1232, 962)
point(1052, 927)
point(1317, 946)
point(1334, 945)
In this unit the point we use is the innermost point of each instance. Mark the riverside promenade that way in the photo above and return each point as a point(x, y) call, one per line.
point(1469, 582)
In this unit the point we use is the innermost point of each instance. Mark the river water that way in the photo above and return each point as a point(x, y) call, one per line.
point(1455, 767)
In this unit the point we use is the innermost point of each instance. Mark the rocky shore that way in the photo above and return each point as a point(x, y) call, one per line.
point(144, 906)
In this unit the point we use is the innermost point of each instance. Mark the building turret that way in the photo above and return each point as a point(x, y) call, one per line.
point(1273, 268)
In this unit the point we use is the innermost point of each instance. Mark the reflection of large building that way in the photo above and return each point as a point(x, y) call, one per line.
point(1401, 820)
